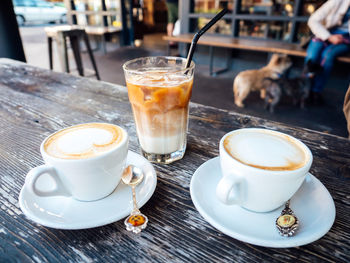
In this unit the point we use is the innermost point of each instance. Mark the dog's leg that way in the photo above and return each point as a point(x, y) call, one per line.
point(266, 105)
point(302, 100)
point(273, 103)
point(240, 93)
point(263, 93)
point(267, 101)
point(241, 97)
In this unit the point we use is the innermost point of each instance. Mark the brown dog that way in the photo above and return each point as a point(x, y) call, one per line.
point(253, 80)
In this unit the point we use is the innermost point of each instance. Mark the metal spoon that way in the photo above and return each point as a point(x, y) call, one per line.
point(287, 223)
point(136, 221)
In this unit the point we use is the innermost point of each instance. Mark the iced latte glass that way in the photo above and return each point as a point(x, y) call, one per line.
point(159, 91)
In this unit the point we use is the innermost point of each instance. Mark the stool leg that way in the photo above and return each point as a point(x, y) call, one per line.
point(65, 53)
point(74, 40)
point(98, 42)
point(49, 43)
point(62, 51)
point(228, 58)
point(211, 60)
point(104, 48)
point(91, 55)
point(168, 49)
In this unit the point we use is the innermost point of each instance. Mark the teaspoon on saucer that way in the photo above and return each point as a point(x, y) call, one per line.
point(136, 221)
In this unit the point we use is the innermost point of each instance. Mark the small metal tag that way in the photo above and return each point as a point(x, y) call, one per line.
point(136, 222)
point(287, 223)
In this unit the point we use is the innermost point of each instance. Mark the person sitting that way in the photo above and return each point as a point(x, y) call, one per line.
point(330, 26)
point(173, 11)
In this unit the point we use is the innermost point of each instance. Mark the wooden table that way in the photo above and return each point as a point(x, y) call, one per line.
point(36, 102)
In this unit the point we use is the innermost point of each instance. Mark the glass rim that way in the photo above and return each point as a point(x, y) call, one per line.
point(125, 65)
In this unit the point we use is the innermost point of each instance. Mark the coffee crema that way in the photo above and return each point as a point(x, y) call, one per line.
point(265, 150)
point(84, 141)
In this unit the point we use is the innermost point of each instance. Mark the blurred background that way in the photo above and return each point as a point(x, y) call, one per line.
point(120, 30)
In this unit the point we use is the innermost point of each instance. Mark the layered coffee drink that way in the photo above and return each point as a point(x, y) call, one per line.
point(267, 150)
point(159, 92)
point(84, 141)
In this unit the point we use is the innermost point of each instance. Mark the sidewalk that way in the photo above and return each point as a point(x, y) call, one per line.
point(212, 91)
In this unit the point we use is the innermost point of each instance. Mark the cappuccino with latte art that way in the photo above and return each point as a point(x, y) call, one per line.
point(86, 161)
point(84, 141)
point(261, 168)
point(266, 150)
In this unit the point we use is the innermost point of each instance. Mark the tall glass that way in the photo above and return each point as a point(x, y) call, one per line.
point(159, 91)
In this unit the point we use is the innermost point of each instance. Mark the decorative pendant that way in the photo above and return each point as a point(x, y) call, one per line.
point(136, 222)
point(287, 223)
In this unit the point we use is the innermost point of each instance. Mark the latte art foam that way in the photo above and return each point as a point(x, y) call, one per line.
point(83, 141)
point(265, 150)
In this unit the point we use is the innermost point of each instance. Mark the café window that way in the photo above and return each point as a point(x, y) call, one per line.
point(86, 12)
point(267, 7)
point(114, 6)
point(310, 6)
point(274, 30)
point(278, 20)
point(212, 6)
point(303, 32)
point(91, 12)
point(221, 27)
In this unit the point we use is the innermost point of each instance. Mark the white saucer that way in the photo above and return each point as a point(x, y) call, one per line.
point(68, 213)
point(312, 204)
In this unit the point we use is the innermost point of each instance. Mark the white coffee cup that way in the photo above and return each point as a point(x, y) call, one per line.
point(261, 169)
point(86, 161)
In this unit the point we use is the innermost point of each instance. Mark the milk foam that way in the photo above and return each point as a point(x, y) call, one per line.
point(265, 150)
point(160, 77)
point(80, 141)
point(162, 144)
point(83, 141)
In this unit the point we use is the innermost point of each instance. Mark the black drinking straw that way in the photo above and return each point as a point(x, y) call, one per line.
point(200, 33)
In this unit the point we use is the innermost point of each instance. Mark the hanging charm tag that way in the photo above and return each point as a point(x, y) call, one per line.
point(287, 223)
point(136, 222)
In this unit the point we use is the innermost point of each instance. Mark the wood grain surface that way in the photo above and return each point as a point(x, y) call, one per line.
point(36, 102)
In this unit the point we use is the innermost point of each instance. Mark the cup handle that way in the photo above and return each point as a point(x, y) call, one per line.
point(34, 175)
point(229, 190)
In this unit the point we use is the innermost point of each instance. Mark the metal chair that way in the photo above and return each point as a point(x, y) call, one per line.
point(74, 33)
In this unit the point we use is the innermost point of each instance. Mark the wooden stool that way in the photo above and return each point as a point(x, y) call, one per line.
point(74, 33)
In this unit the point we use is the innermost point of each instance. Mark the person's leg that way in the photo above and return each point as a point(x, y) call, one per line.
point(170, 29)
point(327, 60)
point(313, 54)
point(314, 51)
point(172, 17)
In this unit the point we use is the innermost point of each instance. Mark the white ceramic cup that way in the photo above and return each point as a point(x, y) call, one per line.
point(85, 179)
point(258, 189)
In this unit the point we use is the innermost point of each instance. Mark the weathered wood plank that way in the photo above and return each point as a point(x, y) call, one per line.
point(36, 102)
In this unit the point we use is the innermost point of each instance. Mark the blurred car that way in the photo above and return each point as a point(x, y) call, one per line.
point(38, 11)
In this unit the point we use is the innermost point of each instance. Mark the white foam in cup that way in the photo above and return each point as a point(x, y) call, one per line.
point(86, 161)
point(261, 168)
point(267, 150)
point(84, 141)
